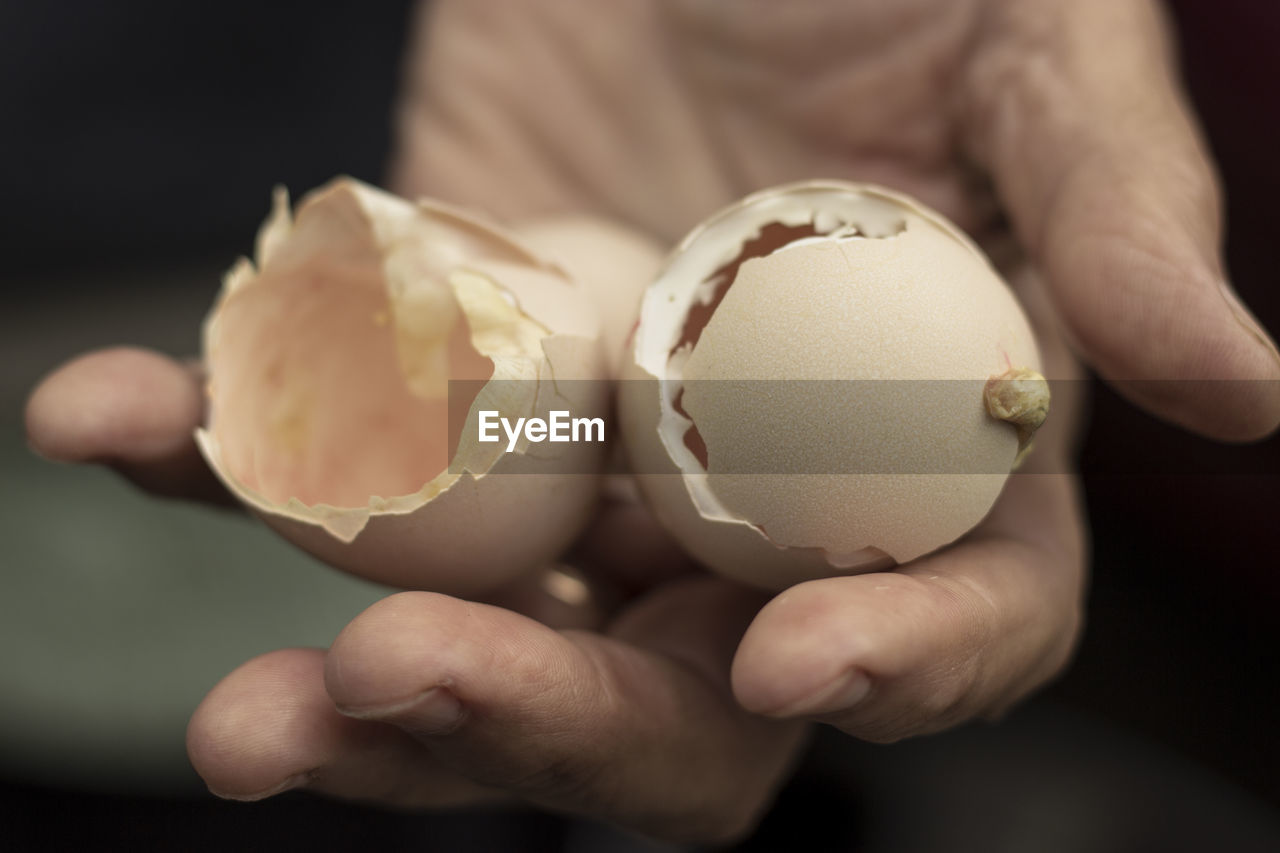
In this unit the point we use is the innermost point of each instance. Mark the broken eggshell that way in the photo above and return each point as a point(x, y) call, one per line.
point(770, 479)
point(331, 409)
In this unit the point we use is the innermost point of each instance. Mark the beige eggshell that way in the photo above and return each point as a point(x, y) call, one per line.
point(610, 261)
point(892, 469)
point(330, 365)
point(732, 546)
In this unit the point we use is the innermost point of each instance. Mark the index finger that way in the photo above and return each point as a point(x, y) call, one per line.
point(1075, 110)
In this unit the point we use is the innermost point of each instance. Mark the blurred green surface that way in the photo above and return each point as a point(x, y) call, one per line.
point(118, 612)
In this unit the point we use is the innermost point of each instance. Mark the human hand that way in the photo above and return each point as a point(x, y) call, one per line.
point(630, 718)
point(656, 115)
point(1055, 133)
point(1060, 125)
point(608, 697)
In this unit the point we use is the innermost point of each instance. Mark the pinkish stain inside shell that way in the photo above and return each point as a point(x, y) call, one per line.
point(323, 408)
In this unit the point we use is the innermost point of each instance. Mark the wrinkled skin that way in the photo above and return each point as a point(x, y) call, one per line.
point(1054, 132)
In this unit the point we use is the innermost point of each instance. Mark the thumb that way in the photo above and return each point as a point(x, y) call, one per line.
point(1075, 111)
point(131, 409)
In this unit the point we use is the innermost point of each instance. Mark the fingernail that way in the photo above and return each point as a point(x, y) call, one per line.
point(297, 780)
point(841, 694)
point(435, 711)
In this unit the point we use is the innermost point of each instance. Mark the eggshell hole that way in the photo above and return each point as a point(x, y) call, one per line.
point(771, 237)
point(323, 410)
point(692, 438)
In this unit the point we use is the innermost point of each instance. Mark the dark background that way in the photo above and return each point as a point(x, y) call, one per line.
point(1183, 630)
point(146, 132)
point(142, 135)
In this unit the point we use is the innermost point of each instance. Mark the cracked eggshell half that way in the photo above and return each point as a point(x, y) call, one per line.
point(749, 439)
point(331, 409)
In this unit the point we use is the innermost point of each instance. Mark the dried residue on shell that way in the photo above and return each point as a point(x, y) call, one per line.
point(822, 281)
point(331, 361)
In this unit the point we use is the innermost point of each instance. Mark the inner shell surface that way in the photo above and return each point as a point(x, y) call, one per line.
point(310, 395)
